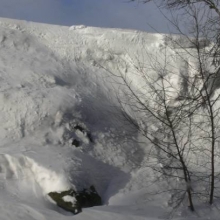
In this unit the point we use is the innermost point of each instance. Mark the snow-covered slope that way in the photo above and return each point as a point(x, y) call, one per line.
point(53, 79)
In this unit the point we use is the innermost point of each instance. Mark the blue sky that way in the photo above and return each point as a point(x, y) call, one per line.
point(101, 13)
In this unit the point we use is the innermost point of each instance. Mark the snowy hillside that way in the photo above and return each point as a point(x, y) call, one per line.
point(52, 80)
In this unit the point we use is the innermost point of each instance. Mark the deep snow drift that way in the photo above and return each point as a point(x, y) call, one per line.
point(53, 79)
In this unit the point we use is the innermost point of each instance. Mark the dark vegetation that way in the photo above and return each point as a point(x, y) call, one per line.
point(83, 199)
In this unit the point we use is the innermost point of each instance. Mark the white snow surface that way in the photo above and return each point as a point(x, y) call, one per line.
point(69, 199)
point(50, 81)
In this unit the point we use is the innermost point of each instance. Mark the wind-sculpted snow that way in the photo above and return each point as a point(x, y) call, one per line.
point(25, 171)
point(54, 79)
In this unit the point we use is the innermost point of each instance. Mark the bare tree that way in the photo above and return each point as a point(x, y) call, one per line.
point(207, 79)
point(177, 120)
point(203, 18)
point(212, 4)
point(149, 107)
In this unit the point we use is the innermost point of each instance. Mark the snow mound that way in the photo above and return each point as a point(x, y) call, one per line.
point(31, 89)
point(77, 27)
point(25, 170)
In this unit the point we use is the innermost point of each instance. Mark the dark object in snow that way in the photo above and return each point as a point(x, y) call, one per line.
point(88, 134)
point(59, 198)
point(82, 199)
point(76, 143)
point(88, 198)
point(78, 127)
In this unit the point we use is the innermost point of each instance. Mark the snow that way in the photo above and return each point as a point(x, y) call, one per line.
point(69, 199)
point(53, 78)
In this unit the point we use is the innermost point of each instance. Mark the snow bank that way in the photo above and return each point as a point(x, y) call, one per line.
point(26, 171)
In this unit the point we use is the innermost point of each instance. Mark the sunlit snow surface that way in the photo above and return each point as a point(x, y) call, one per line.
point(51, 78)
